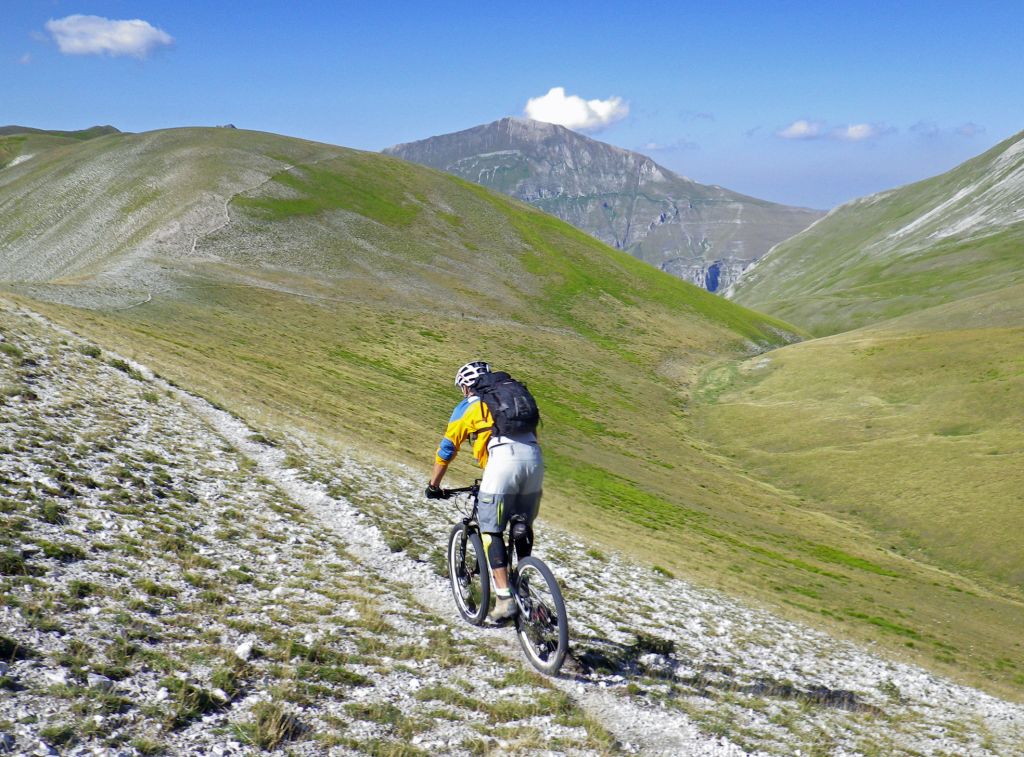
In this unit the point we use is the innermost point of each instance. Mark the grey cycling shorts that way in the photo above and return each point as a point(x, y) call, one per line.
point(512, 484)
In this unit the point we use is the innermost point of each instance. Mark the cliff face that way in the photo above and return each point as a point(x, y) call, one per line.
point(704, 234)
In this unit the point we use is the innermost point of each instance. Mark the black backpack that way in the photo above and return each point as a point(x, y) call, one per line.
point(512, 406)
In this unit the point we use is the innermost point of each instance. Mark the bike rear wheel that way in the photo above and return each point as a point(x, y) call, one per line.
point(467, 571)
point(542, 625)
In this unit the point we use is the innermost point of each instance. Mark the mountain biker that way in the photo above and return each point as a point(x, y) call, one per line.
point(511, 484)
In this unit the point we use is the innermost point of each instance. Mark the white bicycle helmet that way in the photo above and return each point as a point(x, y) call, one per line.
point(468, 374)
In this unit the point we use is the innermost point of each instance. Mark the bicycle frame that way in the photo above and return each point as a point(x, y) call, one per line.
point(470, 522)
point(541, 623)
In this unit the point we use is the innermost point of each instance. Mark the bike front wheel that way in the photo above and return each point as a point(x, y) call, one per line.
point(542, 624)
point(467, 571)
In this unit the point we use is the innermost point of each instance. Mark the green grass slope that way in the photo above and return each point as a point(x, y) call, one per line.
point(25, 142)
point(312, 287)
point(929, 243)
point(914, 427)
point(27, 146)
point(123, 201)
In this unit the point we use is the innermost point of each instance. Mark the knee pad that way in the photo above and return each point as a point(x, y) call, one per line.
point(522, 537)
point(494, 546)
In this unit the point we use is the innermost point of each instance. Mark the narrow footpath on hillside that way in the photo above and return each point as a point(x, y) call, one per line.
point(177, 580)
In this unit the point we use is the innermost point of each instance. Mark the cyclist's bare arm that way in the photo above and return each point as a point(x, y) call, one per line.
point(438, 473)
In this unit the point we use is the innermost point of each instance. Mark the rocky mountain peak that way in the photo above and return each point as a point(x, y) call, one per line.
point(704, 234)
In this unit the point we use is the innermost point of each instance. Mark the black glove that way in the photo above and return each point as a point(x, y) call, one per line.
point(435, 492)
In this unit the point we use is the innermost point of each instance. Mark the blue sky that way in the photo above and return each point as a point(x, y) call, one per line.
point(808, 103)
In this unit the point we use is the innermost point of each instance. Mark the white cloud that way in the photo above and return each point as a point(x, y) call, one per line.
point(25, 59)
point(859, 132)
point(573, 111)
point(802, 129)
point(95, 35)
point(807, 130)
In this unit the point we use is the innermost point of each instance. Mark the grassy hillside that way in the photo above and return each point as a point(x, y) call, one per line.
point(917, 423)
point(25, 146)
point(26, 142)
point(913, 426)
point(306, 286)
point(80, 134)
point(929, 243)
point(120, 202)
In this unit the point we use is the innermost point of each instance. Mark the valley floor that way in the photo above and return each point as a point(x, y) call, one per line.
point(176, 581)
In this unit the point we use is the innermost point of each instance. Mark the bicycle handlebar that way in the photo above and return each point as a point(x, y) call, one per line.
point(462, 490)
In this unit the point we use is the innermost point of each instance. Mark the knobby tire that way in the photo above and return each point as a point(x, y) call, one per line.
point(542, 625)
point(468, 574)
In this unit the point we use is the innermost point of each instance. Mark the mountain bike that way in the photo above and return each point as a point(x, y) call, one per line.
point(542, 626)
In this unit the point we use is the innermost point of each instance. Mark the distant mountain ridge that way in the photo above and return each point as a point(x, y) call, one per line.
point(943, 239)
point(21, 143)
point(90, 133)
point(704, 234)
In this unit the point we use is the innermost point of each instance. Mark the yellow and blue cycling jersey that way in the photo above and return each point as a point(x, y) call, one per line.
point(470, 420)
